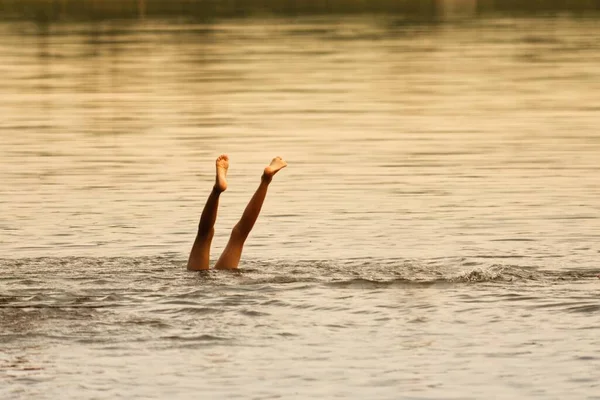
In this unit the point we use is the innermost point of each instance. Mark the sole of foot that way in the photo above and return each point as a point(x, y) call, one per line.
point(276, 164)
point(222, 165)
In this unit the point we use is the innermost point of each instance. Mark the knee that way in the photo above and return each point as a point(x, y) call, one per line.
point(238, 233)
point(206, 233)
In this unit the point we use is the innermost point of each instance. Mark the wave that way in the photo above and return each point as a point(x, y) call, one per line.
point(36, 278)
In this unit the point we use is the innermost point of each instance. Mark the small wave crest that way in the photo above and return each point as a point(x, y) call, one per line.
point(103, 281)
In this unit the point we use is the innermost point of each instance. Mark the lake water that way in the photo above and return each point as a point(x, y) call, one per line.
point(435, 235)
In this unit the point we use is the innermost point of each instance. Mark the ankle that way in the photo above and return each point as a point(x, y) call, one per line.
point(216, 190)
point(266, 178)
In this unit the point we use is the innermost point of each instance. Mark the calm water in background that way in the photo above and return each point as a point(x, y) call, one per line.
point(434, 236)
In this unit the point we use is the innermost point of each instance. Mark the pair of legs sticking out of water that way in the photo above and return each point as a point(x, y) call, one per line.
point(200, 254)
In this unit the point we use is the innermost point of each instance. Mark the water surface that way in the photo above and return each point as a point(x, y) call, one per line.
point(435, 235)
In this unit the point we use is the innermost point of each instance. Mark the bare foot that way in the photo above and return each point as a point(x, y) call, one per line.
point(222, 167)
point(276, 164)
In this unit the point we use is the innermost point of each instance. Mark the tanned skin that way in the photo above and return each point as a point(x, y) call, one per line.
point(230, 259)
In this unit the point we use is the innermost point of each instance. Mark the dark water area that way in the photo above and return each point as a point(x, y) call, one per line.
point(435, 235)
point(423, 10)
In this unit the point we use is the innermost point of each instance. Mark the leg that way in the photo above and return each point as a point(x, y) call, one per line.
point(200, 254)
point(233, 251)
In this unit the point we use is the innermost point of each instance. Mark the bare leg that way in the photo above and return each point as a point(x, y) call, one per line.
point(233, 251)
point(200, 254)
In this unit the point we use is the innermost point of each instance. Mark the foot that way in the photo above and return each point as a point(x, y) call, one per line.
point(222, 167)
point(276, 164)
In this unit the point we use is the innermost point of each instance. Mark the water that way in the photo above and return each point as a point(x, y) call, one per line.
point(435, 235)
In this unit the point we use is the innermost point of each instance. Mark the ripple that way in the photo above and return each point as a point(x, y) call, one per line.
point(197, 338)
point(197, 310)
point(253, 313)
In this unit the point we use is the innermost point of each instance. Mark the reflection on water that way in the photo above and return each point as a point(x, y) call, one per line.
point(467, 138)
point(436, 230)
point(422, 10)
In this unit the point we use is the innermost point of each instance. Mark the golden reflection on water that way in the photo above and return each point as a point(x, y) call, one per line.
point(464, 138)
